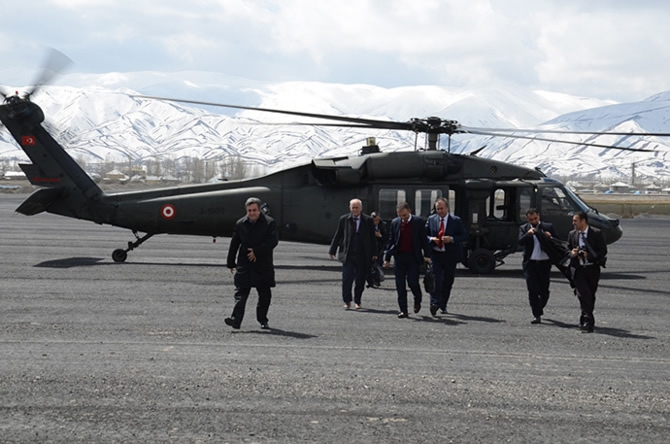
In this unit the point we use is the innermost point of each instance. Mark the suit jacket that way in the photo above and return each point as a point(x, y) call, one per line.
point(596, 243)
point(342, 238)
point(454, 228)
point(526, 240)
point(419, 239)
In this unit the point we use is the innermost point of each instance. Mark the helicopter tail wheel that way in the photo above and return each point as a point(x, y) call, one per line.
point(482, 261)
point(119, 255)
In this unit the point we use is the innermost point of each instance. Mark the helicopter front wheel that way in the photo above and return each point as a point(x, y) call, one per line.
point(119, 255)
point(481, 261)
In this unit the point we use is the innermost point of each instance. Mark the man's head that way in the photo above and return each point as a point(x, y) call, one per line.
point(404, 211)
point(533, 217)
point(356, 207)
point(375, 218)
point(580, 221)
point(253, 205)
point(441, 207)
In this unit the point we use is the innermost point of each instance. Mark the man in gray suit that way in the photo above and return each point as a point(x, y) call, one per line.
point(355, 240)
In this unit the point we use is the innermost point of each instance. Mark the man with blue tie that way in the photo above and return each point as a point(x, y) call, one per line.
point(409, 247)
point(355, 240)
point(588, 252)
point(446, 234)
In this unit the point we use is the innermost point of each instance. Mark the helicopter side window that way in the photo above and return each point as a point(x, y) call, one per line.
point(388, 201)
point(524, 203)
point(496, 205)
point(424, 200)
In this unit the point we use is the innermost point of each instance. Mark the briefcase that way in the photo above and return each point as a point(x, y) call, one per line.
point(429, 279)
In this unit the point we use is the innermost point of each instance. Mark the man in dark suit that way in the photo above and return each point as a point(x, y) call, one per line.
point(254, 238)
point(536, 262)
point(408, 245)
point(381, 239)
point(356, 242)
point(446, 234)
point(588, 253)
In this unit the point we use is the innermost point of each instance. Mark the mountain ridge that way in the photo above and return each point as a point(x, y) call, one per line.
point(110, 123)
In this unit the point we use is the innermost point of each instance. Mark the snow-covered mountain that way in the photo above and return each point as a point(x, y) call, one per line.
point(107, 123)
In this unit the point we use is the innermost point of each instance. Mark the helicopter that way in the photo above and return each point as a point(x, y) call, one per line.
point(490, 196)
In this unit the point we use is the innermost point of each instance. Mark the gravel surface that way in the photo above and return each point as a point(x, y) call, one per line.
point(96, 351)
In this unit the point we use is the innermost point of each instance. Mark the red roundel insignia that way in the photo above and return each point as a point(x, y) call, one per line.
point(168, 211)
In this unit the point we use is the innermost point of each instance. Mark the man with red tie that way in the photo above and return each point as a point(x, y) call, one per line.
point(446, 234)
point(409, 247)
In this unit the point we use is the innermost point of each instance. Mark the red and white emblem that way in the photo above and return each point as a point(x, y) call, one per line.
point(168, 211)
point(27, 140)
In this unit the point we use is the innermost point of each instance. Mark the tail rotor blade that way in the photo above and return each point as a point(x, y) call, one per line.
point(54, 64)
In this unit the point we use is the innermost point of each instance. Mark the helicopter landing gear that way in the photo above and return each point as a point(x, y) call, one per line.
point(481, 261)
point(120, 255)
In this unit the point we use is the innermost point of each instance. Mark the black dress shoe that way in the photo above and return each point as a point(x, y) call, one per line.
point(265, 326)
point(536, 320)
point(433, 310)
point(402, 315)
point(232, 323)
point(587, 329)
point(417, 307)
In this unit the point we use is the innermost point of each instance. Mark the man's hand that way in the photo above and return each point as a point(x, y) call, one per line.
point(251, 256)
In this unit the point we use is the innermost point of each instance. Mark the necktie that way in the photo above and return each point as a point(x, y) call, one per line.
point(440, 233)
point(356, 224)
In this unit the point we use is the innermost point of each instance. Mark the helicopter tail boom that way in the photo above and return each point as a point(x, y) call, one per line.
point(66, 188)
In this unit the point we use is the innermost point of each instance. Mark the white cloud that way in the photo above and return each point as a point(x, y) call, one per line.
point(610, 49)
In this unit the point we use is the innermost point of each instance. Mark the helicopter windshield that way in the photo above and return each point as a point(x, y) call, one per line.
point(580, 203)
point(559, 200)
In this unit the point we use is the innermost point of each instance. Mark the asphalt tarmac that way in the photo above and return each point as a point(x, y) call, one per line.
point(97, 351)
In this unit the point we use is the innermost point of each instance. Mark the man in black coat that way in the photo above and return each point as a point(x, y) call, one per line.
point(408, 245)
point(536, 261)
point(356, 242)
point(254, 238)
point(588, 253)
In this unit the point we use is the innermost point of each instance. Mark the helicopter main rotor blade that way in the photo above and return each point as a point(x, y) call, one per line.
point(373, 123)
point(572, 142)
point(549, 131)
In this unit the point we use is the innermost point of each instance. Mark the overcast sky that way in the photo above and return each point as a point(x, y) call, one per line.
point(608, 49)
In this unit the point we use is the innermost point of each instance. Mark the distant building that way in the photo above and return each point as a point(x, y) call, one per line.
point(115, 176)
point(14, 175)
point(620, 187)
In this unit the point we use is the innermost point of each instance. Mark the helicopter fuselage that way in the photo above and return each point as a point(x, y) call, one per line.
point(490, 196)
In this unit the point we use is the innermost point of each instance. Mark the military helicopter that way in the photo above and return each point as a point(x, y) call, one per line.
point(307, 200)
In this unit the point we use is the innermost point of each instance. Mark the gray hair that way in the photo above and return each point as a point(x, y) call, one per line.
point(253, 200)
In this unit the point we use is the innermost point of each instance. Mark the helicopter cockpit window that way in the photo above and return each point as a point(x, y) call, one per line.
point(388, 201)
point(424, 200)
point(555, 200)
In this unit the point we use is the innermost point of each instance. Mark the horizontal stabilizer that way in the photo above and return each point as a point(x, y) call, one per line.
point(37, 177)
point(39, 201)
